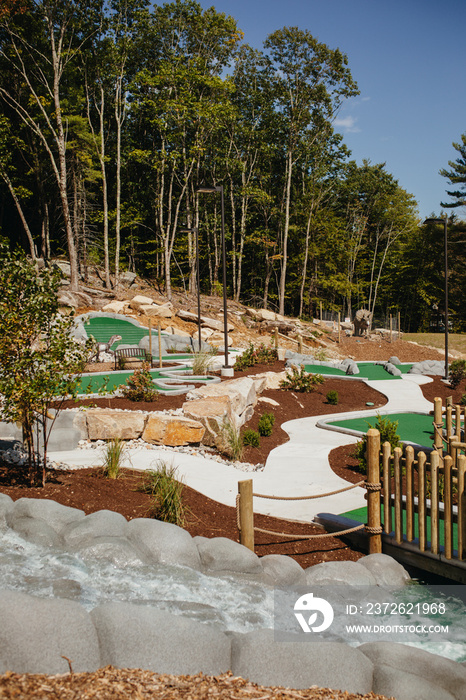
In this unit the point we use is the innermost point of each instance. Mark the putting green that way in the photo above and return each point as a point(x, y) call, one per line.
point(412, 427)
point(100, 383)
point(367, 370)
point(360, 515)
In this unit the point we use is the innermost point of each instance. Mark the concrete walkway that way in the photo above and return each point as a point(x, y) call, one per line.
point(299, 467)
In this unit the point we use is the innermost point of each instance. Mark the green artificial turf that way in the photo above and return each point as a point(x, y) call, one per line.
point(412, 427)
point(367, 370)
point(360, 515)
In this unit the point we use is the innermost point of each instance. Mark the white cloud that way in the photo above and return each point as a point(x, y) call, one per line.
point(348, 124)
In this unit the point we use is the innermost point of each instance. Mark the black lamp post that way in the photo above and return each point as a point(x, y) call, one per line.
point(195, 230)
point(209, 190)
point(445, 243)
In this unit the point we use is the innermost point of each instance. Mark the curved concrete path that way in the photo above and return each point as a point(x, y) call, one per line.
point(299, 467)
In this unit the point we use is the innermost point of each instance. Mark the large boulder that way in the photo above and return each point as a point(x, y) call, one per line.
point(99, 524)
point(388, 573)
point(164, 429)
point(212, 412)
point(160, 542)
point(242, 393)
point(38, 636)
point(260, 658)
point(349, 573)
point(409, 673)
point(50, 512)
point(103, 424)
point(223, 556)
point(134, 636)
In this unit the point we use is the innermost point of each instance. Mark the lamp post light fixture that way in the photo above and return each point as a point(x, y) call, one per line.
point(445, 244)
point(206, 189)
point(195, 230)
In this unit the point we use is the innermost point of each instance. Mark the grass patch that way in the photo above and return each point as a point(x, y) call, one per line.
point(113, 458)
point(166, 489)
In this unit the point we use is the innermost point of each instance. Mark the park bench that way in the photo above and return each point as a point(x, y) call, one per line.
point(131, 355)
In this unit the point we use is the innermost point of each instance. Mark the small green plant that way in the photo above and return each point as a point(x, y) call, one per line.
point(113, 458)
point(302, 381)
point(233, 446)
point(388, 433)
point(265, 425)
point(202, 361)
point(166, 489)
point(457, 372)
point(253, 356)
point(463, 400)
point(332, 397)
point(251, 438)
point(139, 386)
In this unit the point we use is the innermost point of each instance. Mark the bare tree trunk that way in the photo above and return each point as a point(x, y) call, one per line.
point(282, 286)
point(20, 212)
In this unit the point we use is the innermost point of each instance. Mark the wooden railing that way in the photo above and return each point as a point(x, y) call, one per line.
point(418, 493)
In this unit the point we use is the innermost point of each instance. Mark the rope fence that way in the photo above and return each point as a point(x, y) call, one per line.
point(245, 511)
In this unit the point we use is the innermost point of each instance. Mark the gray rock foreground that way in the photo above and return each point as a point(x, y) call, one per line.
point(39, 635)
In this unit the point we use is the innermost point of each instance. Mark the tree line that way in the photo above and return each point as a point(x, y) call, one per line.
point(115, 113)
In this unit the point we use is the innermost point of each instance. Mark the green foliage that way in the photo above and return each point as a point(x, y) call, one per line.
point(265, 425)
point(332, 397)
point(302, 381)
point(320, 354)
point(113, 458)
point(233, 441)
point(40, 361)
point(388, 433)
point(256, 355)
point(166, 489)
point(463, 400)
point(140, 386)
point(251, 438)
point(457, 372)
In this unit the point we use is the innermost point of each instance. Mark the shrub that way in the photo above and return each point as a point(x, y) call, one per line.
point(253, 356)
point(251, 438)
point(113, 457)
point(302, 381)
point(332, 397)
point(463, 400)
point(266, 423)
point(139, 386)
point(388, 433)
point(166, 488)
point(457, 372)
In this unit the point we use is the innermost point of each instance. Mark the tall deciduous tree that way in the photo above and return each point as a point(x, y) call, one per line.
point(38, 48)
point(311, 81)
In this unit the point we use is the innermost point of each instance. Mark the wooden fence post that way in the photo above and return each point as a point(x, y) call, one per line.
point(150, 340)
point(300, 344)
point(373, 493)
point(159, 331)
point(438, 424)
point(339, 327)
point(246, 514)
point(461, 507)
point(276, 338)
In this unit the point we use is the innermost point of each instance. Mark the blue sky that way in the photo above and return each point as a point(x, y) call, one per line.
point(408, 58)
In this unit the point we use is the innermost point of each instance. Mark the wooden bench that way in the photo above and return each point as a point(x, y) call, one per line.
point(131, 355)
